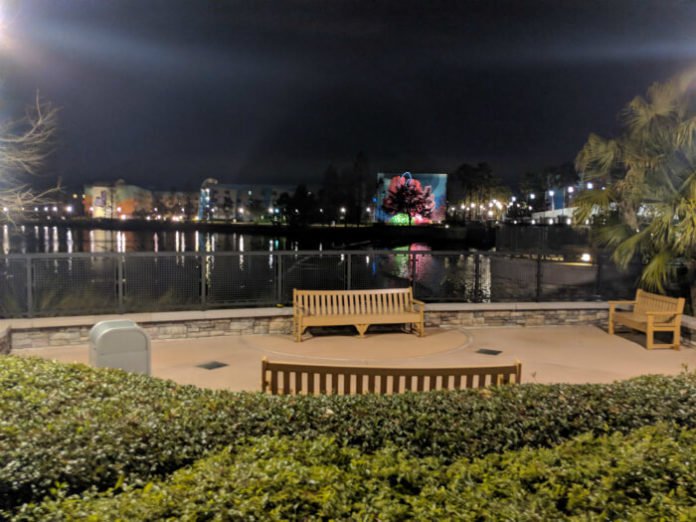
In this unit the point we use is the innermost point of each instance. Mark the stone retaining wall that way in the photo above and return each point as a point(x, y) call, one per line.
point(517, 318)
point(4, 341)
point(688, 331)
point(181, 325)
point(63, 336)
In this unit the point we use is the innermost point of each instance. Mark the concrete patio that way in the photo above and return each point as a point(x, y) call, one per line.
point(549, 354)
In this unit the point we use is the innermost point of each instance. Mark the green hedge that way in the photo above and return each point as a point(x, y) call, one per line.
point(647, 475)
point(71, 425)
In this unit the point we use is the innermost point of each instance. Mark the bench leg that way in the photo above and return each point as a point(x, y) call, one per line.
point(362, 328)
point(611, 324)
point(649, 339)
point(677, 339)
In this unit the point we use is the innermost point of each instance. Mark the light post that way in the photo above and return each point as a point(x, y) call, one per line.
point(567, 195)
point(343, 217)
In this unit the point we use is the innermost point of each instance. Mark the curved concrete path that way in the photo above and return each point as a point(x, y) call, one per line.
point(570, 354)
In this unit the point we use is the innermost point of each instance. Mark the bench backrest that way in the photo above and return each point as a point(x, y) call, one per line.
point(647, 302)
point(309, 379)
point(351, 302)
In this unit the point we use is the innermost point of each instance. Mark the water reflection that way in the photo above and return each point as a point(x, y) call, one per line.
point(262, 273)
point(5, 240)
point(53, 239)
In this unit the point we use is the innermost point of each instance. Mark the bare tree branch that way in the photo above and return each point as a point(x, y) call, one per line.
point(25, 145)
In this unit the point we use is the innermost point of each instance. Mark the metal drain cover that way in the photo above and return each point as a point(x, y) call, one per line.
point(212, 365)
point(488, 351)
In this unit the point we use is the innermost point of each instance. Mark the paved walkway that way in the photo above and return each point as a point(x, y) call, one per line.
point(570, 354)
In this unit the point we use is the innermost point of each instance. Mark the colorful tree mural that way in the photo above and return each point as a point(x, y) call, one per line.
point(407, 201)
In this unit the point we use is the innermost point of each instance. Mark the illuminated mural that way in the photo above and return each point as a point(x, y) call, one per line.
point(411, 199)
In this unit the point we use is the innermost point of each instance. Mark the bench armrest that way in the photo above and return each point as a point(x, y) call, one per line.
point(418, 304)
point(666, 316)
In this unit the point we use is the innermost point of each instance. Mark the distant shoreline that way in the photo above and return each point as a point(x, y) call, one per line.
point(472, 236)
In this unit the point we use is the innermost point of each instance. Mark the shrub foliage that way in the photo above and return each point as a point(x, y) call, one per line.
point(649, 474)
point(74, 428)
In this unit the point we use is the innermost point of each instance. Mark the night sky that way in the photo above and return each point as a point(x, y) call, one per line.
point(165, 93)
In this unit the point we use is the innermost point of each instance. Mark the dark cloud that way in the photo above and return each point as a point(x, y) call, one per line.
point(171, 92)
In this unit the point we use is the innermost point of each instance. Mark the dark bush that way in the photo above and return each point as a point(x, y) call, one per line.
point(648, 475)
point(82, 428)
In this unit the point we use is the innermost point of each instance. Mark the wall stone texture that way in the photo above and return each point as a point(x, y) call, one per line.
point(517, 318)
point(4, 341)
point(282, 325)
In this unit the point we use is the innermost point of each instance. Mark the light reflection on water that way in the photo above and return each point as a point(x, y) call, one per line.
point(5, 240)
point(258, 265)
point(52, 239)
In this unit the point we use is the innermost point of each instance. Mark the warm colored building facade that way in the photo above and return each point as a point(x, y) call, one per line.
point(117, 200)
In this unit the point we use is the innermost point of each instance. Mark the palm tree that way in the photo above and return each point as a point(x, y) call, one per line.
point(644, 200)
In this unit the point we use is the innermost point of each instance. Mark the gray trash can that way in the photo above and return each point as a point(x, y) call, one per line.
point(119, 344)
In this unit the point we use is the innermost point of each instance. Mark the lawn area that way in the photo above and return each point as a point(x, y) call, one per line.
point(77, 442)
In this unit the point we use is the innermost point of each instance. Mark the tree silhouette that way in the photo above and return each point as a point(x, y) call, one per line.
point(25, 144)
point(406, 195)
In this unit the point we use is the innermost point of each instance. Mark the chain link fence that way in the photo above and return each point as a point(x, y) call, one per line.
point(86, 283)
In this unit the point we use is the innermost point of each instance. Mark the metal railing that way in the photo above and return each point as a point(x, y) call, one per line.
point(90, 283)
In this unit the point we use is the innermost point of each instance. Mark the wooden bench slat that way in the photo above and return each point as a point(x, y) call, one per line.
point(359, 308)
point(379, 380)
point(396, 383)
point(274, 380)
point(310, 383)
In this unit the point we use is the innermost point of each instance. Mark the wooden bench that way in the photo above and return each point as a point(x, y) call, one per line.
point(650, 313)
point(359, 308)
point(310, 379)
